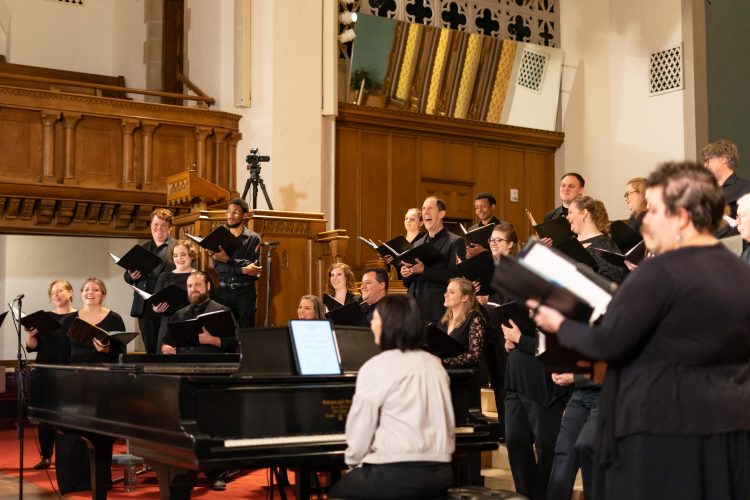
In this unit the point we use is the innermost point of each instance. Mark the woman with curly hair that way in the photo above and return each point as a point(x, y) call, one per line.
point(340, 284)
point(463, 322)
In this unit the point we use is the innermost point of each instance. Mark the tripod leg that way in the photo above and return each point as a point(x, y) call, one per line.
point(265, 194)
point(247, 188)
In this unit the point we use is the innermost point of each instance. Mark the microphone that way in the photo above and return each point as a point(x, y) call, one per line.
point(19, 297)
point(270, 243)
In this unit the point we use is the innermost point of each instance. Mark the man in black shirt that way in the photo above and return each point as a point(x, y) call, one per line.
point(198, 288)
point(239, 271)
point(571, 187)
point(148, 321)
point(722, 158)
point(427, 284)
point(374, 287)
point(484, 207)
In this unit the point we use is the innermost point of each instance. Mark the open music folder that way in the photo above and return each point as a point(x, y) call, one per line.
point(219, 237)
point(137, 259)
point(439, 343)
point(479, 235)
point(85, 333)
point(217, 323)
point(547, 275)
point(393, 247)
point(174, 295)
point(479, 268)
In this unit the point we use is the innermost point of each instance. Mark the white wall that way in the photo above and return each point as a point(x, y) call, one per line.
point(128, 35)
point(613, 130)
point(29, 263)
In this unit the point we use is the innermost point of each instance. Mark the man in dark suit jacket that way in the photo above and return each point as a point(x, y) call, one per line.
point(198, 288)
point(159, 244)
point(427, 284)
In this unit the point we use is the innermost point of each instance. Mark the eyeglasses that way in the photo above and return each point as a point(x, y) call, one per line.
point(496, 241)
point(628, 193)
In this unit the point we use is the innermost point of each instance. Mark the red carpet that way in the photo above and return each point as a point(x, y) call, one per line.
point(246, 484)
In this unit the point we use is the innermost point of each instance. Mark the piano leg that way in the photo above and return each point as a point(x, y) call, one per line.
point(175, 483)
point(467, 469)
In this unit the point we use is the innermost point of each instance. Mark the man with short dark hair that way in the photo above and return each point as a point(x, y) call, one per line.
point(374, 287)
point(198, 289)
point(722, 159)
point(571, 187)
point(148, 321)
point(484, 206)
point(239, 271)
point(427, 283)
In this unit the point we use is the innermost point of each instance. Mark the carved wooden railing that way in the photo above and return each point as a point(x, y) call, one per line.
point(78, 164)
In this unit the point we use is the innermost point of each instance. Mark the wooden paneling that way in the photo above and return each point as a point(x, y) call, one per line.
point(388, 161)
point(20, 144)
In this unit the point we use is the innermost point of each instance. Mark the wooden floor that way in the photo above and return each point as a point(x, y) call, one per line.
point(9, 489)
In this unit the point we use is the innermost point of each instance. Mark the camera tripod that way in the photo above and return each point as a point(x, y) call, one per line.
point(255, 180)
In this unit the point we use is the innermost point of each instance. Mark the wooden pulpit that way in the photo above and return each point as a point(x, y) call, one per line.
point(189, 187)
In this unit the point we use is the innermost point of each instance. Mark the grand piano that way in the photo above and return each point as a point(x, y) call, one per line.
point(185, 416)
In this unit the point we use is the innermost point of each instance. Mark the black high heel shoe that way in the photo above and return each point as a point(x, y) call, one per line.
point(44, 463)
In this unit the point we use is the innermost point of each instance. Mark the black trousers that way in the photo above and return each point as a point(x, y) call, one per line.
point(149, 323)
point(492, 370)
point(408, 480)
point(575, 445)
point(530, 433)
point(241, 301)
point(46, 440)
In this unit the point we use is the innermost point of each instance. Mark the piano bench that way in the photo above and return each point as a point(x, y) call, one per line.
point(480, 493)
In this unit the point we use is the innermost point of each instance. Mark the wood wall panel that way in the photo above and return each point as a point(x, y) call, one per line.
point(20, 144)
point(454, 159)
point(174, 151)
point(98, 142)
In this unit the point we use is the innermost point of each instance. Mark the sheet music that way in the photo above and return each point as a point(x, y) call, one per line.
point(314, 347)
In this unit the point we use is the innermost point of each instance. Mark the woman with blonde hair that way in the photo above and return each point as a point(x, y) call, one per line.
point(463, 322)
point(340, 284)
point(635, 199)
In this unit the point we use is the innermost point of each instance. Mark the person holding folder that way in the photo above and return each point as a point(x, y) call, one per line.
point(340, 284)
point(571, 187)
point(463, 322)
point(400, 430)
point(675, 411)
point(374, 287)
point(427, 283)
point(51, 348)
point(743, 224)
point(484, 207)
point(72, 455)
point(148, 322)
point(198, 289)
point(238, 271)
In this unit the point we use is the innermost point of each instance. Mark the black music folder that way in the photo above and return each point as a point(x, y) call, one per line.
point(624, 236)
point(426, 253)
point(218, 237)
point(393, 247)
point(356, 346)
point(479, 268)
point(439, 343)
point(217, 323)
point(575, 250)
point(348, 315)
point(479, 235)
point(265, 351)
point(515, 311)
point(547, 275)
point(558, 230)
point(40, 320)
point(85, 333)
point(560, 359)
point(330, 302)
point(174, 295)
point(137, 259)
point(634, 255)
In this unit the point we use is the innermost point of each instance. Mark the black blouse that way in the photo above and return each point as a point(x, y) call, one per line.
point(83, 354)
point(471, 334)
point(603, 266)
point(51, 346)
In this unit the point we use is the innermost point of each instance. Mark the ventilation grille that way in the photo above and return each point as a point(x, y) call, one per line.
point(531, 72)
point(70, 2)
point(665, 69)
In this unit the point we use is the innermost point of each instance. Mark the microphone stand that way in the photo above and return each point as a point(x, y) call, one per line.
point(21, 403)
point(269, 245)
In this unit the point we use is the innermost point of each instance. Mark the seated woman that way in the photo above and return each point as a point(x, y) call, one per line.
point(400, 432)
point(340, 284)
point(71, 454)
point(310, 307)
point(50, 348)
point(464, 322)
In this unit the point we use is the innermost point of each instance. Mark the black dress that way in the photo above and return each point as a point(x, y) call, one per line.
point(675, 410)
point(471, 334)
point(51, 348)
point(165, 279)
point(71, 454)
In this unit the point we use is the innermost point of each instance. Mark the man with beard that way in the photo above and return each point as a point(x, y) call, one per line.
point(148, 321)
point(374, 287)
point(427, 283)
point(239, 271)
point(198, 288)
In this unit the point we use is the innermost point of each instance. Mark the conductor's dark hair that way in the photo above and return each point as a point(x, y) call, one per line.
point(486, 196)
point(577, 176)
point(693, 187)
point(401, 323)
point(381, 275)
point(241, 203)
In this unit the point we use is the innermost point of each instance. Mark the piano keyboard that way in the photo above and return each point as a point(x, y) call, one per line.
point(310, 438)
point(276, 440)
